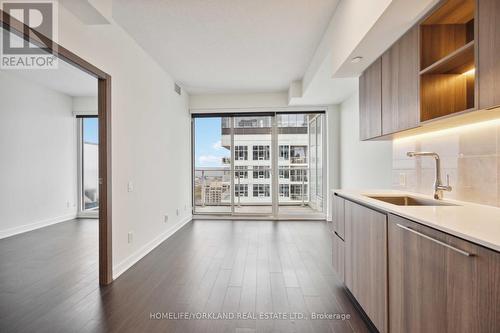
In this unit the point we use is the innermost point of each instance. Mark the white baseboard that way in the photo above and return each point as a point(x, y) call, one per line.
point(37, 225)
point(128, 262)
point(93, 214)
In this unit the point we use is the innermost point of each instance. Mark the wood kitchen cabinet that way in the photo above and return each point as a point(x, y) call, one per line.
point(444, 66)
point(338, 244)
point(338, 256)
point(440, 283)
point(488, 14)
point(447, 60)
point(370, 101)
point(400, 88)
point(366, 260)
point(338, 216)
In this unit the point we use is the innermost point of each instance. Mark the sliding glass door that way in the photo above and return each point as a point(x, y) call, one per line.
point(252, 164)
point(266, 165)
point(293, 164)
point(315, 126)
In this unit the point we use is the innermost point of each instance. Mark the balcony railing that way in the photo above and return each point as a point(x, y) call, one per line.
point(252, 186)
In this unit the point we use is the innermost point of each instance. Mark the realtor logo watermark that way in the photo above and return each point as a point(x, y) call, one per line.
point(41, 17)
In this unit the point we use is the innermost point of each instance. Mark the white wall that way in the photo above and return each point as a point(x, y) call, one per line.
point(85, 105)
point(150, 138)
point(363, 164)
point(219, 102)
point(38, 149)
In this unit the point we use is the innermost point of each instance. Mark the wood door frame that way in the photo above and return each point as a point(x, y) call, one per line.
point(104, 115)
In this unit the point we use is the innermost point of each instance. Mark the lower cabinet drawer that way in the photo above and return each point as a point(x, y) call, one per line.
point(338, 251)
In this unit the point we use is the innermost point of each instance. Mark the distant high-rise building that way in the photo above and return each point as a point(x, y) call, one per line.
point(253, 156)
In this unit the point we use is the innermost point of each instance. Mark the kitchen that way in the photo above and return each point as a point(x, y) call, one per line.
point(429, 263)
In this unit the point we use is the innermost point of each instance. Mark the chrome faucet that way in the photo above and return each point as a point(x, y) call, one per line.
point(439, 187)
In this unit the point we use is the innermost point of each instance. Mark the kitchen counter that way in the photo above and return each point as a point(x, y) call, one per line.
point(476, 223)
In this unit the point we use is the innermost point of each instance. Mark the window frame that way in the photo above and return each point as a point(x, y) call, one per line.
point(300, 159)
point(282, 193)
point(239, 189)
point(284, 154)
point(261, 172)
point(243, 174)
point(241, 153)
point(261, 190)
point(261, 152)
point(297, 194)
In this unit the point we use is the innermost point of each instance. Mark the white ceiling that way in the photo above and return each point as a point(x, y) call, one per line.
point(228, 46)
point(66, 79)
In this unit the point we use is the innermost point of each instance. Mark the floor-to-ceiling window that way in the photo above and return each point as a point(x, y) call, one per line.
point(258, 164)
point(89, 163)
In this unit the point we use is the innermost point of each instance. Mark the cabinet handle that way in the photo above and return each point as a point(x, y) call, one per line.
point(435, 241)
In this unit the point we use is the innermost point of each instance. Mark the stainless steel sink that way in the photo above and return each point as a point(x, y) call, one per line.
point(409, 201)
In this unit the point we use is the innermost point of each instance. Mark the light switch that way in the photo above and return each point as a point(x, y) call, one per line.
point(130, 186)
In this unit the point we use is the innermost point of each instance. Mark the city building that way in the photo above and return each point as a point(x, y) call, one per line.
point(252, 157)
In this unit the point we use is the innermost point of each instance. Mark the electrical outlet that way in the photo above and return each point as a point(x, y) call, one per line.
point(402, 179)
point(178, 211)
point(130, 237)
point(130, 186)
point(165, 219)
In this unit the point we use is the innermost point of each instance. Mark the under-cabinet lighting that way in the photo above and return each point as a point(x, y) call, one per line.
point(470, 71)
point(451, 130)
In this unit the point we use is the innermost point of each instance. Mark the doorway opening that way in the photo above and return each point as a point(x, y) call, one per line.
point(18, 30)
point(259, 165)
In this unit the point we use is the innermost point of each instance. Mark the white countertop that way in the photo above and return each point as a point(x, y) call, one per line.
point(476, 223)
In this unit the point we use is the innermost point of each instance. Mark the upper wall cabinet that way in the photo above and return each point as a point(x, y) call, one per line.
point(370, 101)
point(388, 90)
point(488, 13)
point(444, 66)
point(400, 69)
point(447, 60)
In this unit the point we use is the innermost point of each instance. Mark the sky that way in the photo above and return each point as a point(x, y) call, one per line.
point(90, 130)
point(208, 150)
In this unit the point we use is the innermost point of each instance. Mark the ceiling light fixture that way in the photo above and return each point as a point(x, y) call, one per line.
point(355, 60)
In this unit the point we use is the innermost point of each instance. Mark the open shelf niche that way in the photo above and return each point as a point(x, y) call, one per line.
point(447, 60)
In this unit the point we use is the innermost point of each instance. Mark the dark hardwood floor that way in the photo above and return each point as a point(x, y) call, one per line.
point(49, 280)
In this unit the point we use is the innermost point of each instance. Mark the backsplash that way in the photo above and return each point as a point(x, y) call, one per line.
point(469, 154)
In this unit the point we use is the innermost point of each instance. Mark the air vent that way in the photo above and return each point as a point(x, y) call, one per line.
point(177, 89)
